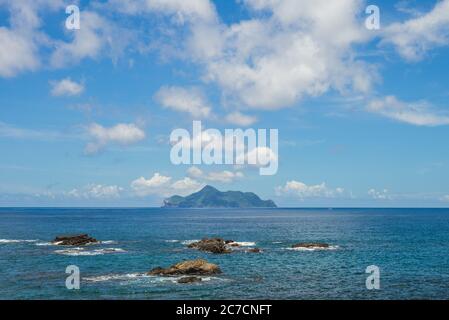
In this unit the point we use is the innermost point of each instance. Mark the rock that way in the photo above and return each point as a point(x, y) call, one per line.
point(254, 250)
point(74, 240)
point(311, 245)
point(234, 244)
point(189, 280)
point(190, 267)
point(216, 245)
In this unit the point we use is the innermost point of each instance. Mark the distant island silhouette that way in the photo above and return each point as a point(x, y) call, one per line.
point(210, 197)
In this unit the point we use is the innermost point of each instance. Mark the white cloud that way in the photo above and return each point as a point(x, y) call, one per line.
point(303, 191)
point(96, 191)
point(20, 41)
point(18, 53)
point(292, 51)
point(240, 119)
point(189, 100)
point(192, 10)
point(286, 51)
point(66, 87)
point(161, 185)
point(224, 176)
point(96, 36)
point(414, 37)
point(122, 134)
point(186, 186)
point(379, 195)
point(417, 113)
point(445, 198)
point(144, 187)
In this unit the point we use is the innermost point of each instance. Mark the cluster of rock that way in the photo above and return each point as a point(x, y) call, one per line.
point(74, 240)
point(218, 246)
point(215, 245)
point(192, 268)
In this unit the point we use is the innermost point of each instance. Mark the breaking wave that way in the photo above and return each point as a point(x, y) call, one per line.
point(83, 252)
point(142, 277)
point(4, 241)
point(313, 248)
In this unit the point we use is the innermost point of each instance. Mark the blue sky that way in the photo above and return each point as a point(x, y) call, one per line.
point(86, 115)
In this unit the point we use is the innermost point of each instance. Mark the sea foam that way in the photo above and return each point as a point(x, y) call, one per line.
point(15, 241)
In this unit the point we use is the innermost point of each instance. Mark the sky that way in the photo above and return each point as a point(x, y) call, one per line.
point(362, 112)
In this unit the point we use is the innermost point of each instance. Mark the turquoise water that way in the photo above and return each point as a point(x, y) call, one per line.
point(410, 246)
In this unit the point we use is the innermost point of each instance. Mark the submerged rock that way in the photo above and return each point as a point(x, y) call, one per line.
point(215, 245)
point(189, 280)
point(311, 245)
point(74, 240)
point(190, 267)
point(254, 250)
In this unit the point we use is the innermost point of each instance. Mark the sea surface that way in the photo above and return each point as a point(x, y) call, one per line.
point(410, 247)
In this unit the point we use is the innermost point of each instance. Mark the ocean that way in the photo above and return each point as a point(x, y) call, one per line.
point(409, 246)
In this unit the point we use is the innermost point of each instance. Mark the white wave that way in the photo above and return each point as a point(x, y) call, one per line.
point(187, 242)
point(144, 277)
point(45, 244)
point(277, 242)
point(244, 243)
point(114, 277)
point(172, 241)
point(313, 248)
point(110, 250)
point(108, 242)
point(83, 252)
point(15, 241)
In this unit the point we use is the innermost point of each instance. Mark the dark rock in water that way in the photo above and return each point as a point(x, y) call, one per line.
point(311, 245)
point(74, 240)
point(189, 280)
point(190, 267)
point(254, 250)
point(215, 245)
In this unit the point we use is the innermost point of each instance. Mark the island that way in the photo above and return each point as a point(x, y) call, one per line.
point(210, 197)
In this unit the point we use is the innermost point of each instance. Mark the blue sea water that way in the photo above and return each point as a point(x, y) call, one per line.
point(410, 246)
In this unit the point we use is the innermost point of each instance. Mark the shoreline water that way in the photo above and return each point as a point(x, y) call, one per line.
point(408, 245)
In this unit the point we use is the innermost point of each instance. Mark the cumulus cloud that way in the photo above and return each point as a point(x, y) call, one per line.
point(190, 100)
point(186, 186)
point(286, 51)
point(416, 113)
point(162, 186)
point(66, 87)
point(224, 176)
point(303, 191)
point(96, 191)
point(415, 37)
point(240, 119)
point(96, 36)
point(379, 195)
point(291, 51)
point(185, 10)
point(18, 53)
point(20, 41)
point(122, 134)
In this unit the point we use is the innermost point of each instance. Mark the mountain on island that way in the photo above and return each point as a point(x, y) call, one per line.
point(209, 197)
